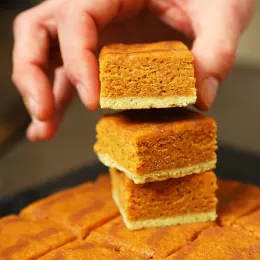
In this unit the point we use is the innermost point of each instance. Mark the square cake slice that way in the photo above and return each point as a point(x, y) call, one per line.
point(138, 76)
point(152, 243)
point(163, 203)
point(221, 243)
point(23, 239)
point(80, 209)
point(157, 144)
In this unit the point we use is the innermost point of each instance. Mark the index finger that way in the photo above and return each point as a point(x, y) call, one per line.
point(78, 22)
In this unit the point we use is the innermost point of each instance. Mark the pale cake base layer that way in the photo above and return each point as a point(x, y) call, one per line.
point(125, 103)
point(158, 175)
point(166, 221)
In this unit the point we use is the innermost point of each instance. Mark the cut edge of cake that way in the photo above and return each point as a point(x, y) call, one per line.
point(164, 221)
point(125, 103)
point(158, 175)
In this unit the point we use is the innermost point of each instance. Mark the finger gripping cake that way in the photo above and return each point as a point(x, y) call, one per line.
point(141, 76)
point(157, 144)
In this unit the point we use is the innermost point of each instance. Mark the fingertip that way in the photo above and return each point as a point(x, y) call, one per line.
point(31, 133)
point(42, 131)
point(207, 91)
point(89, 96)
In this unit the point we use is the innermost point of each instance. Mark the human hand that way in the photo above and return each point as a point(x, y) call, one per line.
point(56, 43)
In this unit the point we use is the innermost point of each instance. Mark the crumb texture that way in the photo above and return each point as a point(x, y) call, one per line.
point(152, 141)
point(158, 70)
point(169, 198)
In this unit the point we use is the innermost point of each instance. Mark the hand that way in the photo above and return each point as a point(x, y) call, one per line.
point(56, 43)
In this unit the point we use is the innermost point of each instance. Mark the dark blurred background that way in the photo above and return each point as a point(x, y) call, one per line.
point(23, 164)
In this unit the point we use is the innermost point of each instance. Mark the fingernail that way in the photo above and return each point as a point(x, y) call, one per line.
point(31, 106)
point(208, 89)
point(83, 93)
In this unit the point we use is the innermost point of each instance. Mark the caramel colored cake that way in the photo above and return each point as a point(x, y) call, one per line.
point(80, 209)
point(236, 200)
point(87, 250)
point(47, 234)
point(250, 222)
point(152, 243)
point(23, 239)
point(163, 203)
point(221, 243)
point(157, 144)
point(137, 76)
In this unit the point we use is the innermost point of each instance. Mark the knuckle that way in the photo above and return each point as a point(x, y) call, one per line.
point(227, 52)
point(64, 11)
point(21, 20)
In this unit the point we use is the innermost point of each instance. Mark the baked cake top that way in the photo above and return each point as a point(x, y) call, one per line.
point(146, 48)
point(152, 242)
point(158, 121)
point(87, 250)
point(221, 243)
point(25, 239)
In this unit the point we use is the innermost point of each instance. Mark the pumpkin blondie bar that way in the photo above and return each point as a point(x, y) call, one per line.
point(138, 76)
point(157, 144)
point(163, 203)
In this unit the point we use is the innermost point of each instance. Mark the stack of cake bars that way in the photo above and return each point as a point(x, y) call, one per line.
point(160, 154)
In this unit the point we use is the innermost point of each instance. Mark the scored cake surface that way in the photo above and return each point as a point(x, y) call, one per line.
point(26, 239)
point(138, 76)
point(157, 144)
point(80, 209)
point(152, 243)
point(221, 243)
point(22, 239)
point(163, 203)
point(84, 250)
point(236, 200)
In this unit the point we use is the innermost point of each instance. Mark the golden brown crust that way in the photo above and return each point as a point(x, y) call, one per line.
point(220, 243)
point(250, 222)
point(173, 197)
point(236, 200)
point(162, 69)
point(25, 239)
point(154, 243)
point(79, 209)
point(157, 140)
point(83, 250)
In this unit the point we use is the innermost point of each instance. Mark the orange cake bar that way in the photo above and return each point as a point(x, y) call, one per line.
point(250, 222)
point(140, 76)
point(157, 144)
point(80, 209)
point(163, 203)
point(87, 250)
point(221, 243)
point(236, 200)
point(26, 240)
point(152, 243)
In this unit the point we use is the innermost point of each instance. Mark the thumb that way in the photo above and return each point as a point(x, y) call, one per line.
point(218, 30)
